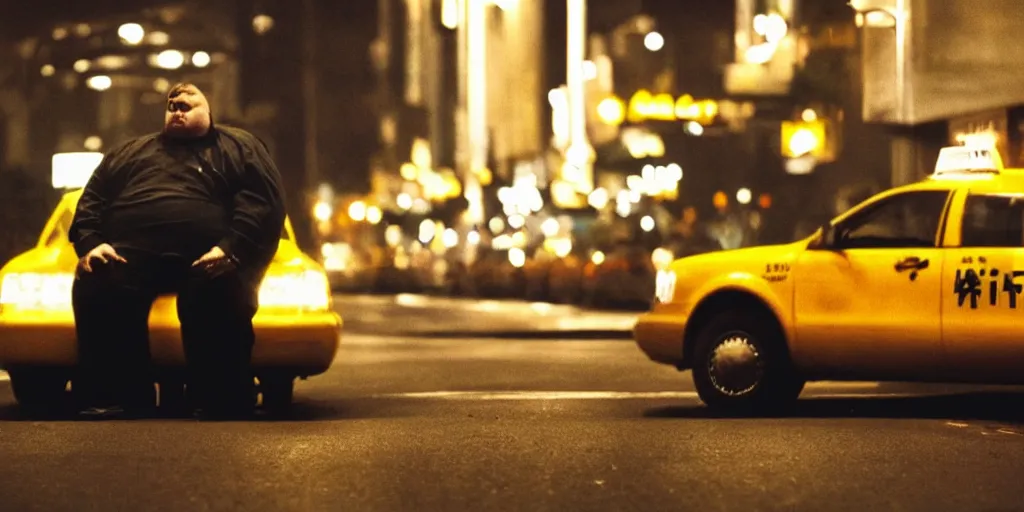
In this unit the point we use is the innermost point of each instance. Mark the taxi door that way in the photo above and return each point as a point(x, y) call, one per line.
point(867, 302)
point(982, 305)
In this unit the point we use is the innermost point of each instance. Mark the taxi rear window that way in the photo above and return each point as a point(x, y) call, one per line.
point(993, 221)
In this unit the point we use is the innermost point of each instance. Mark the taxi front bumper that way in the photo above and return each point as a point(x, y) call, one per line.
point(305, 342)
point(659, 334)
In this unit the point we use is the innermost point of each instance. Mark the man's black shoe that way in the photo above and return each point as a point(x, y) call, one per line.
point(101, 413)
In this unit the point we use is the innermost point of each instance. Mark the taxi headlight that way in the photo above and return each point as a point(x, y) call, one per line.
point(40, 291)
point(304, 290)
point(665, 286)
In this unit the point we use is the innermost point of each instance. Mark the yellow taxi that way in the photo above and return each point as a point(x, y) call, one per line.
point(297, 330)
point(918, 283)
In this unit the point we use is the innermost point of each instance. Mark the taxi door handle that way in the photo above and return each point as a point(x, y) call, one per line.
point(911, 263)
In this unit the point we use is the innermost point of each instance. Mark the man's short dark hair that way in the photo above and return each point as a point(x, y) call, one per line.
point(179, 88)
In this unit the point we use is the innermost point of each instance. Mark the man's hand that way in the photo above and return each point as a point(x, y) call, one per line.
point(215, 262)
point(104, 253)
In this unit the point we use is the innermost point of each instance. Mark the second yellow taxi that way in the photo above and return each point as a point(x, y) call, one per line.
point(919, 283)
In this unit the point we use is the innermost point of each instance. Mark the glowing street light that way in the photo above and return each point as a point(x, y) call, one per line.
point(131, 33)
point(323, 211)
point(404, 201)
point(647, 223)
point(517, 257)
point(200, 59)
point(93, 143)
point(427, 231)
point(450, 238)
point(357, 211)
point(99, 82)
point(654, 41)
point(159, 38)
point(803, 141)
point(743, 196)
point(598, 199)
point(374, 215)
point(550, 227)
point(170, 59)
point(611, 111)
point(261, 24)
point(772, 27)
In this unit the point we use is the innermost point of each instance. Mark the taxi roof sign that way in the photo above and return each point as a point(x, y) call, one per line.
point(966, 159)
point(73, 170)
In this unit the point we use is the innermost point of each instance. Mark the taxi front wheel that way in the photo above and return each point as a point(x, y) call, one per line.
point(39, 389)
point(741, 364)
point(277, 391)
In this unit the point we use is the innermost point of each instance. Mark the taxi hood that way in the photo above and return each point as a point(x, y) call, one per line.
point(756, 260)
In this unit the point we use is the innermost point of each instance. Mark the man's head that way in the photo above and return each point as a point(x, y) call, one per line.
point(188, 112)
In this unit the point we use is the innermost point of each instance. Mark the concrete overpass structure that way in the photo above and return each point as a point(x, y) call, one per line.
point(930, 69)
point(950, 61)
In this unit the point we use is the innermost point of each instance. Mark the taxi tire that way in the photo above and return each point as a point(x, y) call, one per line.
point(277, 391)
point(173, 397)
point(780, 384)
point(40, 389)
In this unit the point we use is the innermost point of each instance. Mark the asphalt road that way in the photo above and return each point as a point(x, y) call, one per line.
point(475, 423)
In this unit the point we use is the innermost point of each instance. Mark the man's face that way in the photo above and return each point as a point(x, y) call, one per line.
point(188, 112)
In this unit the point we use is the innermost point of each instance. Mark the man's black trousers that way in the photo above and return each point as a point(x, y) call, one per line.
point(112, 307)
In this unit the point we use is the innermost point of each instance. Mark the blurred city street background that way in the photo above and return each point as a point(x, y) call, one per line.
point(491, 187)
point(523, 149)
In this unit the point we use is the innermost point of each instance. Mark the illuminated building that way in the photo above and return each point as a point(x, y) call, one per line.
point(465, 78)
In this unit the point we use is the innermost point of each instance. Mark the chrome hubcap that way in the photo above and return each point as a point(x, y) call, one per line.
point(735, 365)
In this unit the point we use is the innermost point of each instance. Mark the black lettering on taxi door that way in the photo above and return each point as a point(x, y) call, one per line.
point(970, 285)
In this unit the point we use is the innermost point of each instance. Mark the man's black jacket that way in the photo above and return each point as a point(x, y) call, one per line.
point(258, 204)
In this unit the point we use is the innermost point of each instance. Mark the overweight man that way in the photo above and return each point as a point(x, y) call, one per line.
point(195, 210)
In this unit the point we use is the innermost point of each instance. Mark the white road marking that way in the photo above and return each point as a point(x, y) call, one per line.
point(861, 396)
point(831, 384)
point(544, 395)
point(411, 300)
point(588, 395)
point(609, 323)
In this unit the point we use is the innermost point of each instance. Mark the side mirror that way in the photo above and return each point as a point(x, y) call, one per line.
point(827, 239)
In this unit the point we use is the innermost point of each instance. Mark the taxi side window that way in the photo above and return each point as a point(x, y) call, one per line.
point(993, 221)
point(910, 219)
